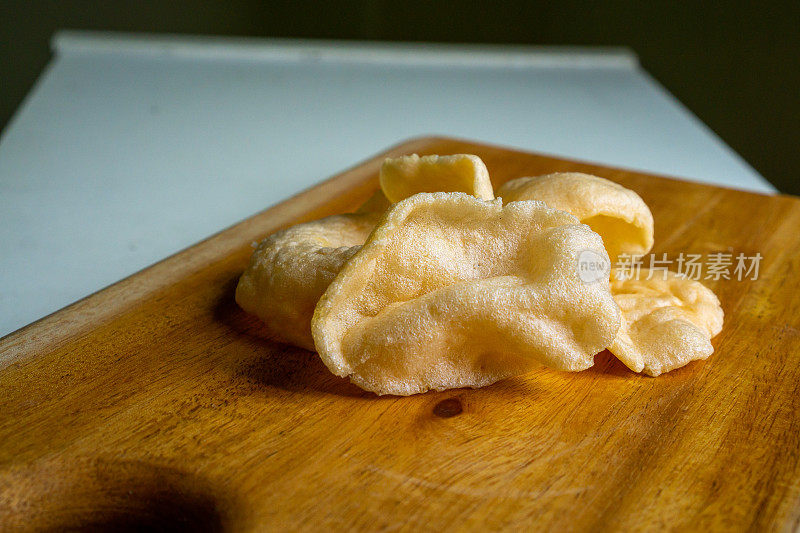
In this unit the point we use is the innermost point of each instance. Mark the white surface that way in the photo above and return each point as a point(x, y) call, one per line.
point(130, 149)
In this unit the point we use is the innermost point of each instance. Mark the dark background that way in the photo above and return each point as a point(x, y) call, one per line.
point(735, 65)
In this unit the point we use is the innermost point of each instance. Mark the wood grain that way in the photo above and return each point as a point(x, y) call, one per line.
point(158, 403)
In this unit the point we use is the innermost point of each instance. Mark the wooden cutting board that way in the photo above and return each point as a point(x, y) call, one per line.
point(157, 402)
